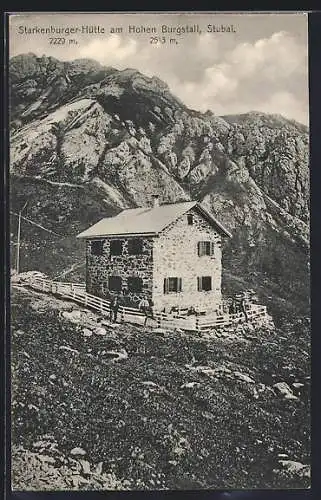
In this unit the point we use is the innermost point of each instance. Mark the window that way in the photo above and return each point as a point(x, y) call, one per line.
point(172, 285)
point(97, 247)
point(135, 284)
point(135, 246)
point(190, 219)
point(205, 248)
point(116, 247)
point(204, 283)
point(115, 283)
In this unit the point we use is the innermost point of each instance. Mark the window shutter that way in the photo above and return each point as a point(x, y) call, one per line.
point(179, 284)
point(199, 284)
point(201, 248)
point(165, 285)
point(212, 248)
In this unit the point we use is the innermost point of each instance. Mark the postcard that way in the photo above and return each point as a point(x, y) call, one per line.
point(159, 223)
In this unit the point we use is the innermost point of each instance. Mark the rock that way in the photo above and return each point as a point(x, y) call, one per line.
point(190, 385)
point(297, 385)
point(100, 331)
point(77, 480)
point(282, 389)
point(72, 316)
point(255, 393)
point(118, 355)
point(33, 407)
point(85, 466)
point(86, 332)
point(99, 468)
point(149, 383)
point(77, 452)
point(296, 468)
point(244, 378)
point(223, 369)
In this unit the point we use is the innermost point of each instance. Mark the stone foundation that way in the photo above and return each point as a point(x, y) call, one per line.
point(101, 267)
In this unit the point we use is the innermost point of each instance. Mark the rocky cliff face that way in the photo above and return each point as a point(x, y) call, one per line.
point(99, 140)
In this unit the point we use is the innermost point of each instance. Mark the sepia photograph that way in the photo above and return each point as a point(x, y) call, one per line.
point(159, 251)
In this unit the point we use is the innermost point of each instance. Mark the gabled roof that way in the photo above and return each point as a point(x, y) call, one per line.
point(147, 221)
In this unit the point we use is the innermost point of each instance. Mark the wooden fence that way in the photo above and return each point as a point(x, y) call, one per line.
point(77, 293)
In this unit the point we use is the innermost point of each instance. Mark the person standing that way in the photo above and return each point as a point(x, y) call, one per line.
point(243, 308)
point(146, 306)
point(114, 306)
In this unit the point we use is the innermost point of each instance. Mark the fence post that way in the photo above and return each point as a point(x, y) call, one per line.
point(101, 305)
point(197, 323)
point(158, 321)
point(86, 300)
point(122, 315)
point(43, 285)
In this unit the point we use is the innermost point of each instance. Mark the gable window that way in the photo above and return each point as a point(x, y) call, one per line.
point(135, 246)
point(204, 283)
point(115, 283)
point(135, 284)
point(97, 247)
point(190, 219)
point(116, 247)
point(172, 285)
point(205, 248)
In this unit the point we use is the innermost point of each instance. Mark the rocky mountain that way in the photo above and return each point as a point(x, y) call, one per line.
point(88, 140)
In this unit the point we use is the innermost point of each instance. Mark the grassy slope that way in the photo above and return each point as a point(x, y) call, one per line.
point(218, 434)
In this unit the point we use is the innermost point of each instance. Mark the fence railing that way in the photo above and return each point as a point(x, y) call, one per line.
point(77, 293)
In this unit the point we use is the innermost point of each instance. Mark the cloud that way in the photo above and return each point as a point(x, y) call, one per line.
point(253, 77)
point(114, 50)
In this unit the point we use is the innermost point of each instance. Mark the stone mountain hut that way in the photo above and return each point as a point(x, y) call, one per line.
point(170, 253)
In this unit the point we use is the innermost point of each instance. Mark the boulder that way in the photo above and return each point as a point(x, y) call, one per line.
point(297, 385)
point(295, 468)
point(80, 452)
point(85, 466)
point(74, 315)
point(100, 331)
point(284, 390)
point(117, 355)
point(189, 385)
point(86, 332)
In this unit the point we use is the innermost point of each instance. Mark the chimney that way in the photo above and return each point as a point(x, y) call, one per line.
point(155, 200)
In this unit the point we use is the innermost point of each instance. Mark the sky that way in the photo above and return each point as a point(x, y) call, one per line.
point(261, 66)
